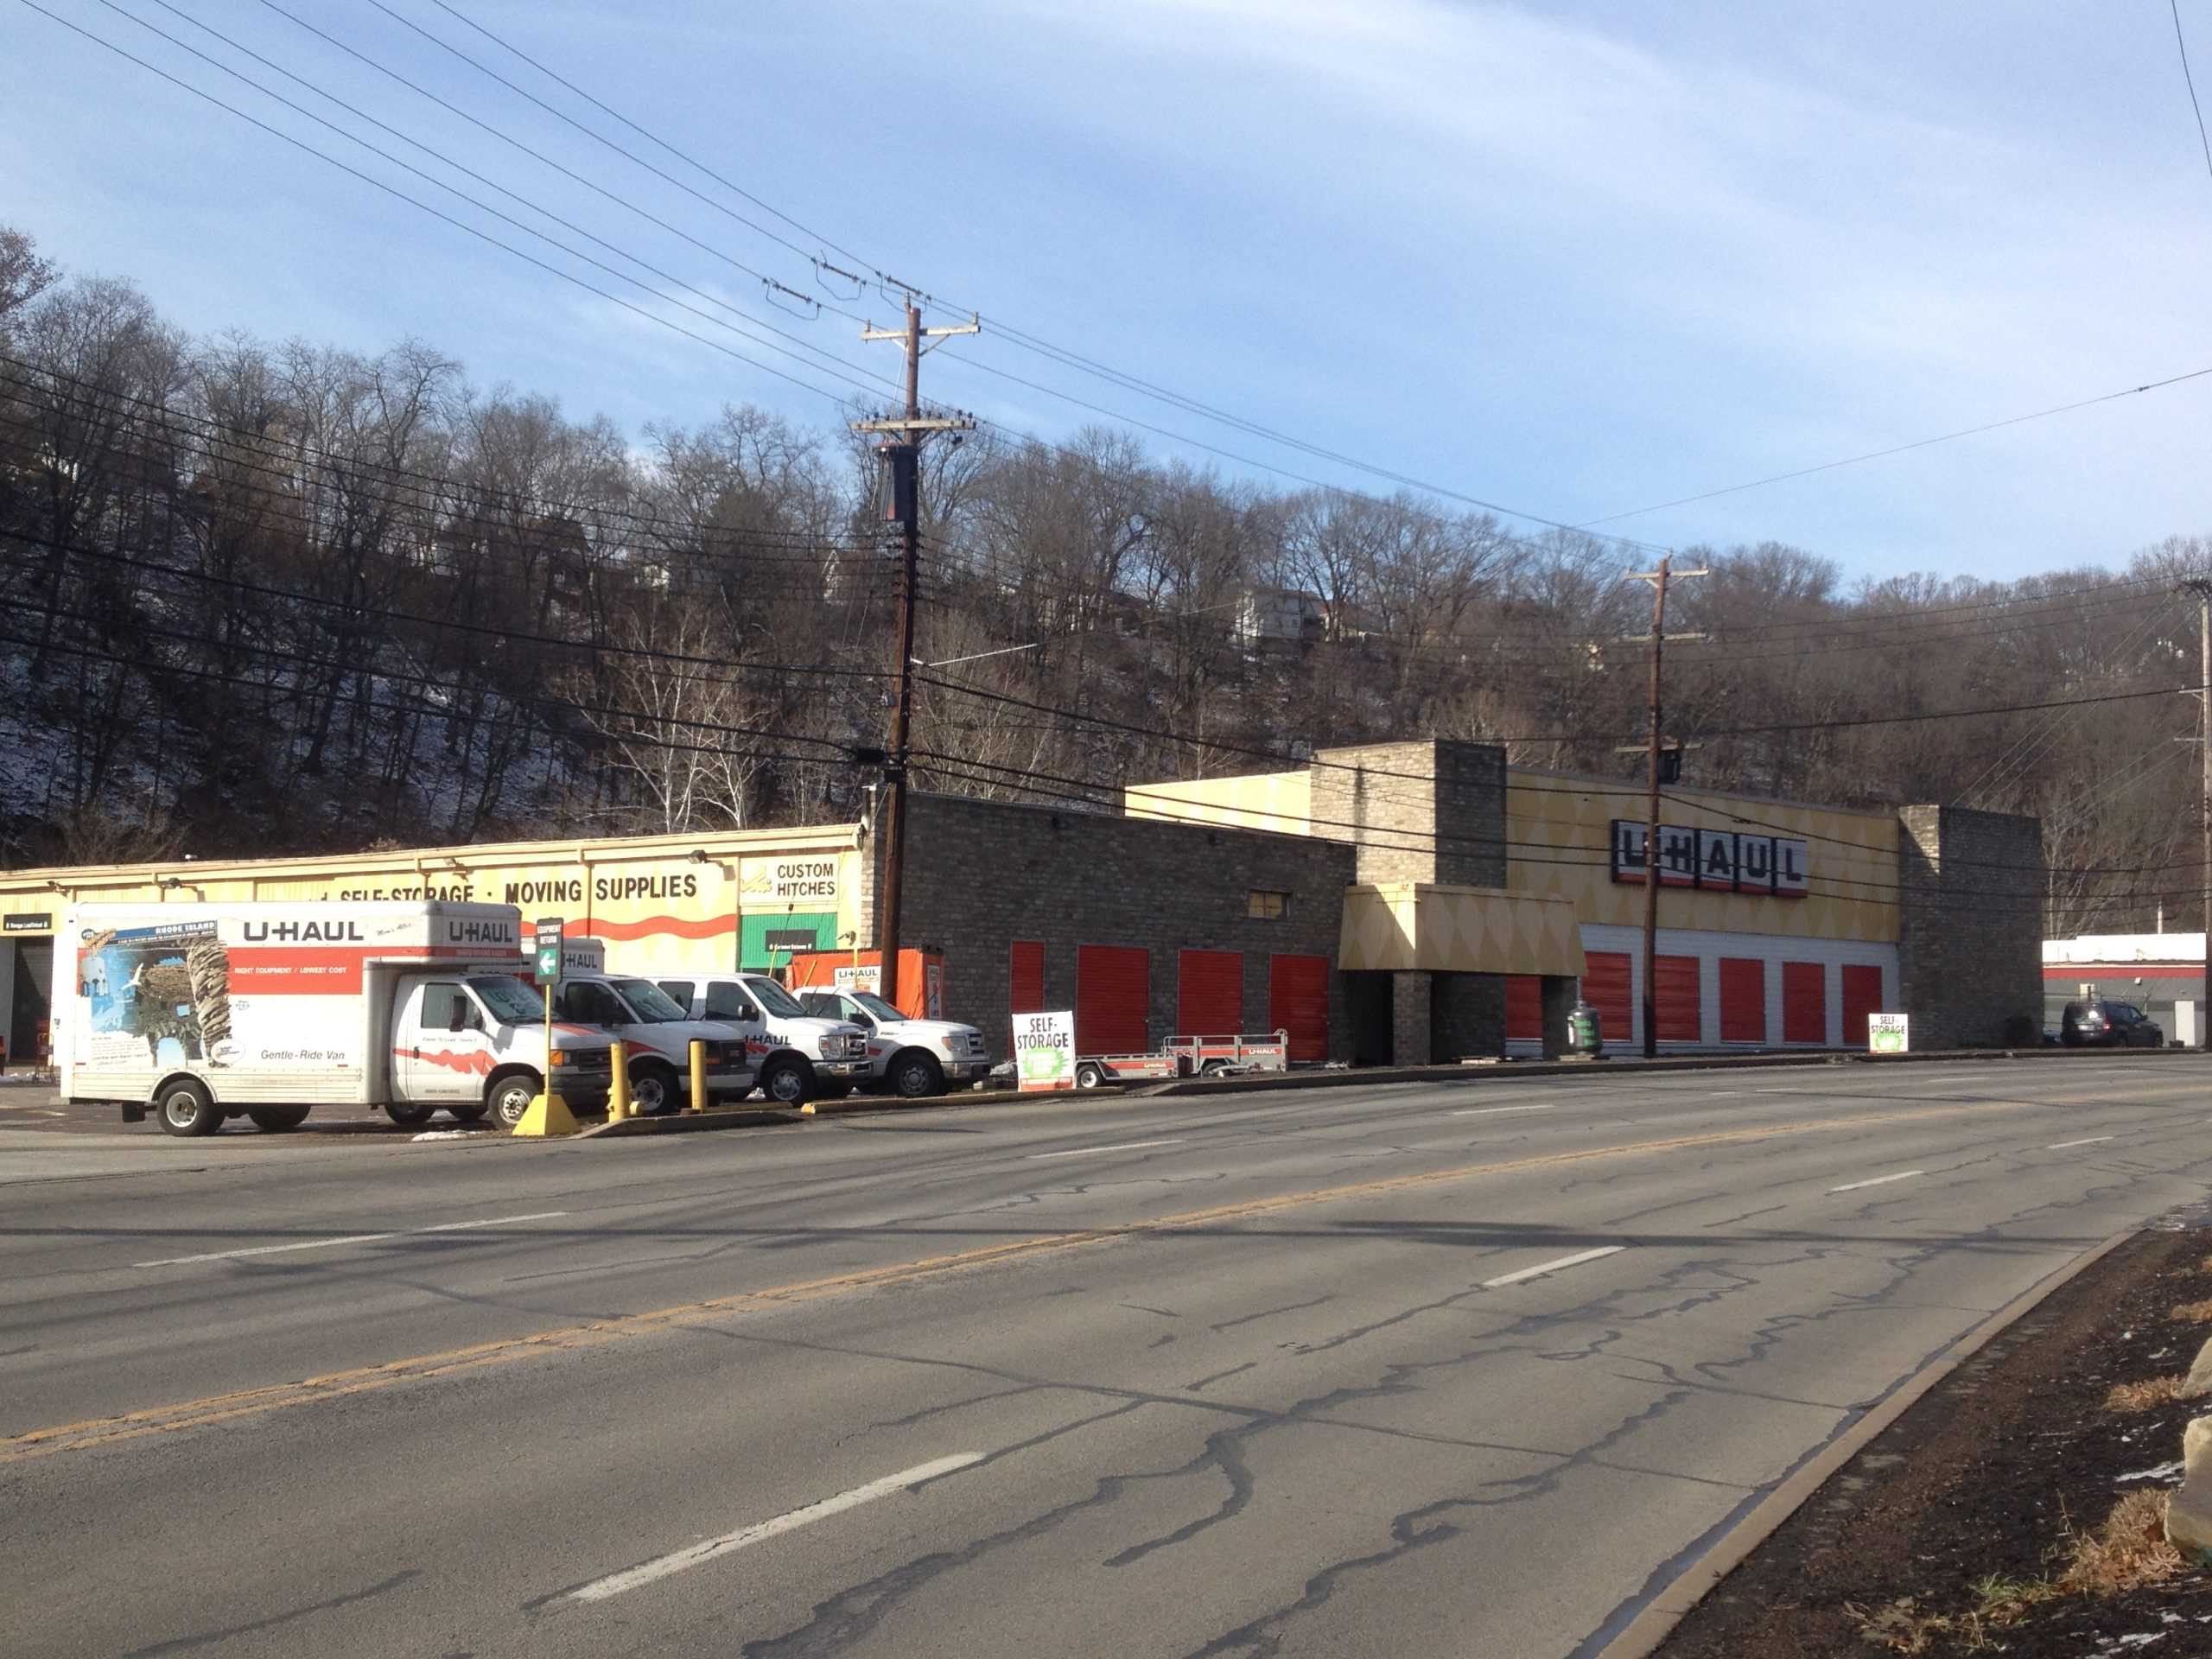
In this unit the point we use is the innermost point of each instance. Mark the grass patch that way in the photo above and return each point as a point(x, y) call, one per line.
point(2194, 1312)
point(2129, 1551)
point(2145, 1396)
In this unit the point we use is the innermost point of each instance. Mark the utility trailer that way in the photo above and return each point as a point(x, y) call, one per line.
point(1214, 1057)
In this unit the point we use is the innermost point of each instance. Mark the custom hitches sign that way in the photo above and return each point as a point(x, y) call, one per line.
point(1888, 1033)
point(1044, 1050)
point(1715, 860)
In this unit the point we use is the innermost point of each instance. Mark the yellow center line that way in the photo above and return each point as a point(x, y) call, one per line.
point(335, 1385)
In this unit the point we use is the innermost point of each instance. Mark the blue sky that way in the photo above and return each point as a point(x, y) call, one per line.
point(1573, 259)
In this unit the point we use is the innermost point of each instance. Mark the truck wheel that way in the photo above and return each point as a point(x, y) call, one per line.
point(652, 1090)
point(788, 1082)
point(277, 1120)
point(510, 1097)
point(1089, 1076)
point(915, 1075)
point(410, 1114)
point(468, 1111)
point(186, 1109)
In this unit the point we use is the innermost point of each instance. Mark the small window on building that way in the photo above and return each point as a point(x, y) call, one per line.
point(1262, 905)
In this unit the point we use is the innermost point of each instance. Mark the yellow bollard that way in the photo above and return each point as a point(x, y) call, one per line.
point(699, 1076)
point(617, 1099)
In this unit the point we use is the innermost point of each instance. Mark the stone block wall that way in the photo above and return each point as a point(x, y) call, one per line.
point(1412, 1015)
point(980, 875)
point(1426, 812)
point(1969, 925)
point(1470, 1015)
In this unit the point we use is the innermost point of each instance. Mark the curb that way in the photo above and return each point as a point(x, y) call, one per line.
point(1669, 1606)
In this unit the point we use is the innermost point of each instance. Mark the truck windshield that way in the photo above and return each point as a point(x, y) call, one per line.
point(876, 1006)
point(774, 998)
point(652, 1006)
point(511, 1001)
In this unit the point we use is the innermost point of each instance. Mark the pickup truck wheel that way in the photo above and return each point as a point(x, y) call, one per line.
point(409, 1114)
point(185, 1108)
point(510, 1097)
point(916, 1074)
point(277, 1120)
point(1089, 1076)
point(652, 1089)
point(788, 1082)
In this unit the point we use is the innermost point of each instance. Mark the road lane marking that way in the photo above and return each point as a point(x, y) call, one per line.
point(178, 1416)
point(1492, 1111)
point(682, 1560)
point(1125, 1146)
point(2061, 1145)
point(1543, 1268)
point(1878, 1180)
point(350, 1238)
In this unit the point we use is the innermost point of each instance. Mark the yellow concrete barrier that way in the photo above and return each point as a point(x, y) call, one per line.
point(699, 1076)
point(618, 1098)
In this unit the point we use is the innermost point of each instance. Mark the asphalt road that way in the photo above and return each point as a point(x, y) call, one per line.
point(1398, 1370)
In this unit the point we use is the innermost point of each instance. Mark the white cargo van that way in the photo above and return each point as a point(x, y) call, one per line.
point(913, 1057)
point(798, 1056)
point(209, 1011)
point(657, 1034)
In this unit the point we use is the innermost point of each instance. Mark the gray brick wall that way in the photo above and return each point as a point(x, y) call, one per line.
point(1412, 1004)
point(1470, 1015)
point(980, 875)
point(1444, 823)
point(1969, 923)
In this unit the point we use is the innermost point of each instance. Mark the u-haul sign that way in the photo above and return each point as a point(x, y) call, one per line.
point(1719, 861)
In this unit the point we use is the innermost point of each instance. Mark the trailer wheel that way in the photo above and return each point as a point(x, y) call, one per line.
point(916, 1074)
point(788, 1082)
point(652, 1090)
point(410, 1114)
point(1087, 1076)
point(277, 1120)
point(186, 1109)
point(510, 1097)
point(1213, 1068)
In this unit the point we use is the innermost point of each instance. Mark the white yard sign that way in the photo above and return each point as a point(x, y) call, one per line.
point(1044, 1050)
point(864, 978)
point(1887, 1034)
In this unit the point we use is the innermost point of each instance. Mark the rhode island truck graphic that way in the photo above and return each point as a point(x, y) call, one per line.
point(161, 985)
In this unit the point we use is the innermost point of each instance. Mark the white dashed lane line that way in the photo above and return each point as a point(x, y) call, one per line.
point(1878, 1180)
point(1543, 1268)
point(2061, 1145)
point(1125, 1146)
point(647, 1571)
point(350, 1238)
point(1491, 1111)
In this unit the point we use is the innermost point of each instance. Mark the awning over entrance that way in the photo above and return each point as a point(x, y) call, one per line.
point(1403, 925)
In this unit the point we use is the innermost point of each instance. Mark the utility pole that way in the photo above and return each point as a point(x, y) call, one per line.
point(2201, 586)
point(1659, 580)
point(901, 457)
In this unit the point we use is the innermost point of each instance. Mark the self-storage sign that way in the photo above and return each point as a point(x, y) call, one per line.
point(1044, 1050)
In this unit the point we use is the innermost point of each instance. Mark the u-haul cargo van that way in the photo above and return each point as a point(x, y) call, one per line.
point(207, 1011)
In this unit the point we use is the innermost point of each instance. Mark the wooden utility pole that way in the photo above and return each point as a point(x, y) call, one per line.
point(1659, 580)
point(2201, 586)
point(901, 456)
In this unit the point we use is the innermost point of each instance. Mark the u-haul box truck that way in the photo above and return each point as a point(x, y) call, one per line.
point(209, 1011)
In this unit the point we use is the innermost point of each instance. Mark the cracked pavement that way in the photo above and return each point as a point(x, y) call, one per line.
point(1253, 1391)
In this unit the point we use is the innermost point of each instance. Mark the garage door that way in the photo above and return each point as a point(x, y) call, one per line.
point(1026, 974)
point(1113, 991)
point(1298, 1002)
point(1862, 995)
point(1209, 994)
point(1743, 999)
point(1673, 980)
point(1804, 1002)
point(1606, 986)
point(1524, 1008)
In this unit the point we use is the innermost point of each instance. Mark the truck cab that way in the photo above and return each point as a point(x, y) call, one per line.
point(913, 1058)
point(657, 1034)
point(798, 1056)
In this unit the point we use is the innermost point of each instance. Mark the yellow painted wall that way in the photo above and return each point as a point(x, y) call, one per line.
point(1279, 801)
point(1852, 859)
point(653, 903)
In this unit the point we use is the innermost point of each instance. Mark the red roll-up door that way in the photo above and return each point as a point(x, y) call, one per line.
point(1298, 1002)
point(1804, 1002)
point(1524, 1008)
point(1743, 999)
point(1209, 994)
point(1026, 970)
point(1675, 982)
point(1113, 993)
point(1606, 988)
point(1862, 995)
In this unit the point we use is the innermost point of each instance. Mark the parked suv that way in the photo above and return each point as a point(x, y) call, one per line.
point(2108, 1025)
point(913, 1057)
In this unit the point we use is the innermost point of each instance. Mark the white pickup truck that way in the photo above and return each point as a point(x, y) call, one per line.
point(797, 1056)
point(913, 1058)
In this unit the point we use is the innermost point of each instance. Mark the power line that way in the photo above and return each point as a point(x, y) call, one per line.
point(2190, 80)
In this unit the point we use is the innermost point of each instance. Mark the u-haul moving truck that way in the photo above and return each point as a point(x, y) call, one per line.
point(209, 1011)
